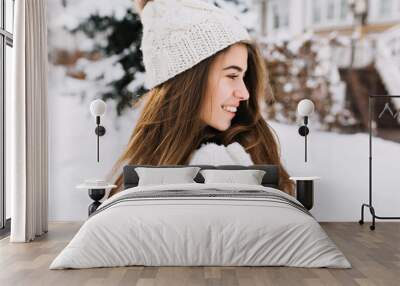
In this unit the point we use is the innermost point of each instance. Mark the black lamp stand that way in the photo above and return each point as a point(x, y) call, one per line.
point(96, 195)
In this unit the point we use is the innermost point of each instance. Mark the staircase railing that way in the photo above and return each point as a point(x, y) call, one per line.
point(387, 61)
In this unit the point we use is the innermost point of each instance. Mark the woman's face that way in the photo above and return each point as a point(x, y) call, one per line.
point(225, 87)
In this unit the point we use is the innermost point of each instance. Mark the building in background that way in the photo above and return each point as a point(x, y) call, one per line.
point(368, 61)
point(280, 18)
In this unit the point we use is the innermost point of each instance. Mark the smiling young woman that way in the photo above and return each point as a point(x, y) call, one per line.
point(213, 100)
point(226, 88)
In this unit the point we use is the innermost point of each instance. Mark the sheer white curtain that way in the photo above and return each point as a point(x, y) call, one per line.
point(27, 123)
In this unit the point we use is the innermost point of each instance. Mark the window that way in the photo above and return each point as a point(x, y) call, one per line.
point(344, 6)
point(316, 11)
point(275, 16)
point(9, 11)
point(330, 12)
point(6, 44)
point(280, 14)
point(385, 8)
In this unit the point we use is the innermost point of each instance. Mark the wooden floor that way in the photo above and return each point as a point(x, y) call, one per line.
point(374, 255)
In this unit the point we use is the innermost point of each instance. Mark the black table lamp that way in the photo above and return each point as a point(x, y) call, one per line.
point(305, 108)
point(97, 109)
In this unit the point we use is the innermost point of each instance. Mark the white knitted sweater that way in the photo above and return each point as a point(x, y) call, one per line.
point(213, 154)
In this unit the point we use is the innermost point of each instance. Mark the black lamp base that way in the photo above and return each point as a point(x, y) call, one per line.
point(96, 195)
point(305, 193)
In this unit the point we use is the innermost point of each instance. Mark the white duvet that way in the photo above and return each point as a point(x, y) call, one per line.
point(200, 231)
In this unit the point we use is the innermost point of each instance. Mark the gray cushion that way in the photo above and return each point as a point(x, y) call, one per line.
point(270, 179)
point(161, 176)
point(248, 177)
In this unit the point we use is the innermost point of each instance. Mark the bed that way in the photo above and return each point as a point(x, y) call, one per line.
point(201, 224)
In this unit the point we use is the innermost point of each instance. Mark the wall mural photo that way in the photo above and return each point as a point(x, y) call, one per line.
point(95, 53)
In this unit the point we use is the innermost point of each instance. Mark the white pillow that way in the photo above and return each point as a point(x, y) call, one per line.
point(248, 177)
point(162, 176)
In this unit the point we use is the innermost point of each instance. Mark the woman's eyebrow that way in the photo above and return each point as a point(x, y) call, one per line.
point(239, 69)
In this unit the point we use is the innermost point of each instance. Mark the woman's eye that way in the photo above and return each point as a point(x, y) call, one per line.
point(232, 76)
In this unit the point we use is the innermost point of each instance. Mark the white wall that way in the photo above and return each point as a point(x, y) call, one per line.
point(72, 150)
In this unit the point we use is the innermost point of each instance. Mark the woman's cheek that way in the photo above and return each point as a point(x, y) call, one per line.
point(224, 91)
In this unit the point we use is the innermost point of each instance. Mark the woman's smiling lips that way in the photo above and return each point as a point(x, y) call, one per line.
point(231, 109)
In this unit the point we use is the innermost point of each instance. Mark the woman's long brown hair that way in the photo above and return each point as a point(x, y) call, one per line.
point(169, 129)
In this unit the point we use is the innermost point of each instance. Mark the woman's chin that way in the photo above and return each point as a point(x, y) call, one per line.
point(221, 126)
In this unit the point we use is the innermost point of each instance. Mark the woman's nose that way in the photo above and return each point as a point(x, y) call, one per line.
point(241, 93)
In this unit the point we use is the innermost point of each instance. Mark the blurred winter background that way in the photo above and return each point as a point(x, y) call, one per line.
point(334, 52)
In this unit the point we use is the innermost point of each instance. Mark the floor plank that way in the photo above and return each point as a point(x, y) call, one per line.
point(374, 255)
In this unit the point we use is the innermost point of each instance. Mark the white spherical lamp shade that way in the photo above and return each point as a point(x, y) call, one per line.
point(305, 107)
point(97, 107)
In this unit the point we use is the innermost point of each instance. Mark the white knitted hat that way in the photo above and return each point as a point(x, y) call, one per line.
point(178, 34)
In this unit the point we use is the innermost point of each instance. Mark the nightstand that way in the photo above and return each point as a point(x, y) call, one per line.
point(305, 190)
point(96, 193)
